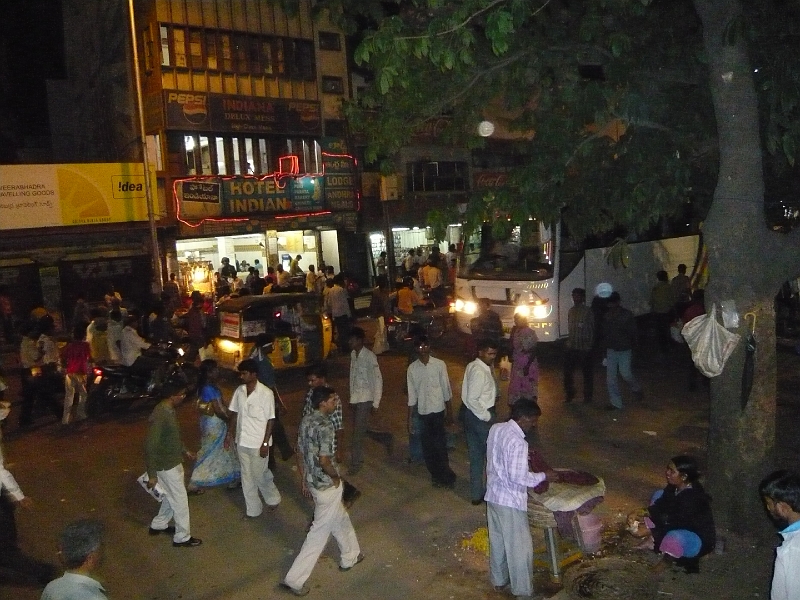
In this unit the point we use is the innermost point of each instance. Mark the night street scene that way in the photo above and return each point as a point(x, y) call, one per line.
point(399, 299)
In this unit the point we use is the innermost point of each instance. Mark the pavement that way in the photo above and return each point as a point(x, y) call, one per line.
point(410, 532)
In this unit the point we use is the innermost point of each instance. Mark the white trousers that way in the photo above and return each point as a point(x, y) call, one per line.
point(256, 477)
point(330, 518)
point(74, 382)
point(174, 504)
point(510, 549)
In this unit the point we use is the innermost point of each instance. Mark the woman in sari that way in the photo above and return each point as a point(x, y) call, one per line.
point(524, 381)
point(215, 464)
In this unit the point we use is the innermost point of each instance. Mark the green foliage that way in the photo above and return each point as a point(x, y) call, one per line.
point(473, 59)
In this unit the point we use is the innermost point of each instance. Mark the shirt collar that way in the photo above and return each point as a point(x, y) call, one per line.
point(483, 365)
point(83, 579)
point(794, 527)
point(516, 429)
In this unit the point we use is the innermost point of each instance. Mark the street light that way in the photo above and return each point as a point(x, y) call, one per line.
point(148, 190)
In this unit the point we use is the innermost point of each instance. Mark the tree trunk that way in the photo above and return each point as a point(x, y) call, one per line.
point(747, 264)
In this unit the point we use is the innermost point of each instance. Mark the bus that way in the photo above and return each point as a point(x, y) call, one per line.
point(534, 271)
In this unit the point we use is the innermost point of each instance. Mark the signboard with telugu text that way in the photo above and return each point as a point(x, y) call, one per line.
point(71, 194)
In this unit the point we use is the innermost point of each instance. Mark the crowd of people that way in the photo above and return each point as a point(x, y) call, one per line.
point(241, 434)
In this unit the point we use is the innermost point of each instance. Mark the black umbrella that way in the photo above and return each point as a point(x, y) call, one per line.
point(749, 361)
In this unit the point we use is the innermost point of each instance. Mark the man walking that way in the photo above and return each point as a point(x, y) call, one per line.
point(262, 349)
point(164, 451)
point(429, 391)
point(337, 305)
point(253, 408)
point(317, 377)
point(320, 480)
point(508, 477)
point(478, 395)
point(366, 389)
point(580, 320)
point(619, 326)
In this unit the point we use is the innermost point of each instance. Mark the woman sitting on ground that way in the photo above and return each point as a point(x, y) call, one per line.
point(679, 518)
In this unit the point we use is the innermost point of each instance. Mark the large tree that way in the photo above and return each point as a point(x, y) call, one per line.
point(624, 112)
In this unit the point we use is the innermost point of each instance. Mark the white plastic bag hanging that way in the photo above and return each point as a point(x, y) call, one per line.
point(710, 342)
point(380, 345)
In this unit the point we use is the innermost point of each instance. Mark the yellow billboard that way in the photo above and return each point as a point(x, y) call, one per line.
point(72, 194)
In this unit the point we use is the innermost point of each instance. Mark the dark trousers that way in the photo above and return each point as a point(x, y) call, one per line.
point(11, 557)
point(341, 326)
point(434, 448)
point(362, 429)
point(476, 432)
point(583, 359)
point(280, 441)
point(662, 322)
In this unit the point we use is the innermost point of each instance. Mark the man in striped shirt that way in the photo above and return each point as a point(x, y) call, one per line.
point(579, 346)
point(507, 482)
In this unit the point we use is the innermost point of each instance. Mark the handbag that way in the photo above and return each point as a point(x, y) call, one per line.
point(710, 342)
point(205, 408)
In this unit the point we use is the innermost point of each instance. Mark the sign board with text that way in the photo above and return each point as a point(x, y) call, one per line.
point(226, 113)
point(71, 194)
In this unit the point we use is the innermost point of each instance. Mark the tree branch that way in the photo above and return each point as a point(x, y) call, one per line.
point(455, 28)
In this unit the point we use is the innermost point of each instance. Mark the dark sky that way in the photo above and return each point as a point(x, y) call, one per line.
point(32, 33)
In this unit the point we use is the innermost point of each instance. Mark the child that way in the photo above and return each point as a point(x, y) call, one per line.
point(781, 495)
point(76, 357)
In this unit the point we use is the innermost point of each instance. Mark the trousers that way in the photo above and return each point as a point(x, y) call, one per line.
point(256, 477)
point(361, 413)
point(510, 549)
point(330, 519)
point(619, 360)
point(174, 504)
point(583, 359)
point(434, 448)
point(477, 432)
point(74, 383)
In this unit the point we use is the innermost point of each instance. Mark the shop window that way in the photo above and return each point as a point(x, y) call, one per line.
point(263, 156)
point(280, 57)
point(436, 176)
point(267, 56)
point(332, 85)
point(329, 41)
point(190, 144)
point(205, 156)
point(165, 55)
point(222, 168)
point(237, 163)
point(300, 59)
point(147, 36)
point(250, 157)
point(254, 49)
point(240, 54)
point(212, 61)
point(227, 52)
point(179, 46)
point(196, 49)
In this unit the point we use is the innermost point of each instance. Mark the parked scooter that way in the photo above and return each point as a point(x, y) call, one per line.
point(117, 388)
point(402, 329)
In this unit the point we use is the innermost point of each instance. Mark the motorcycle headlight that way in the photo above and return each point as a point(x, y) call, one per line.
point(470, 307)
point(181, 352)
point(459, 304)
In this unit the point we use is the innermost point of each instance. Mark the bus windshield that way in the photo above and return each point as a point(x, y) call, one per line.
point(526, 255)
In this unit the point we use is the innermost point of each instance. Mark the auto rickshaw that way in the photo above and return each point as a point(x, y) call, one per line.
point(302, 332)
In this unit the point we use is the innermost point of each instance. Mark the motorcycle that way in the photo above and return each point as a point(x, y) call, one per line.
point(117, 388)
point(402, 329)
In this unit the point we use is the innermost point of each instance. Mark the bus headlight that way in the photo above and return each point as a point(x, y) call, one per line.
point(542, 311)
point(523, 309)
point(459, 305)
point(470, 307)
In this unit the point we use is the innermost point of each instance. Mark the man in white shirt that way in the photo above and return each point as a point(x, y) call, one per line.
point(114, 336)
point(80, 551)
point(508, 480)
point(429, 390)
point(253, 408)
point(780, 492)
point(366, 389)
point(478, 394)
point(131, 343)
